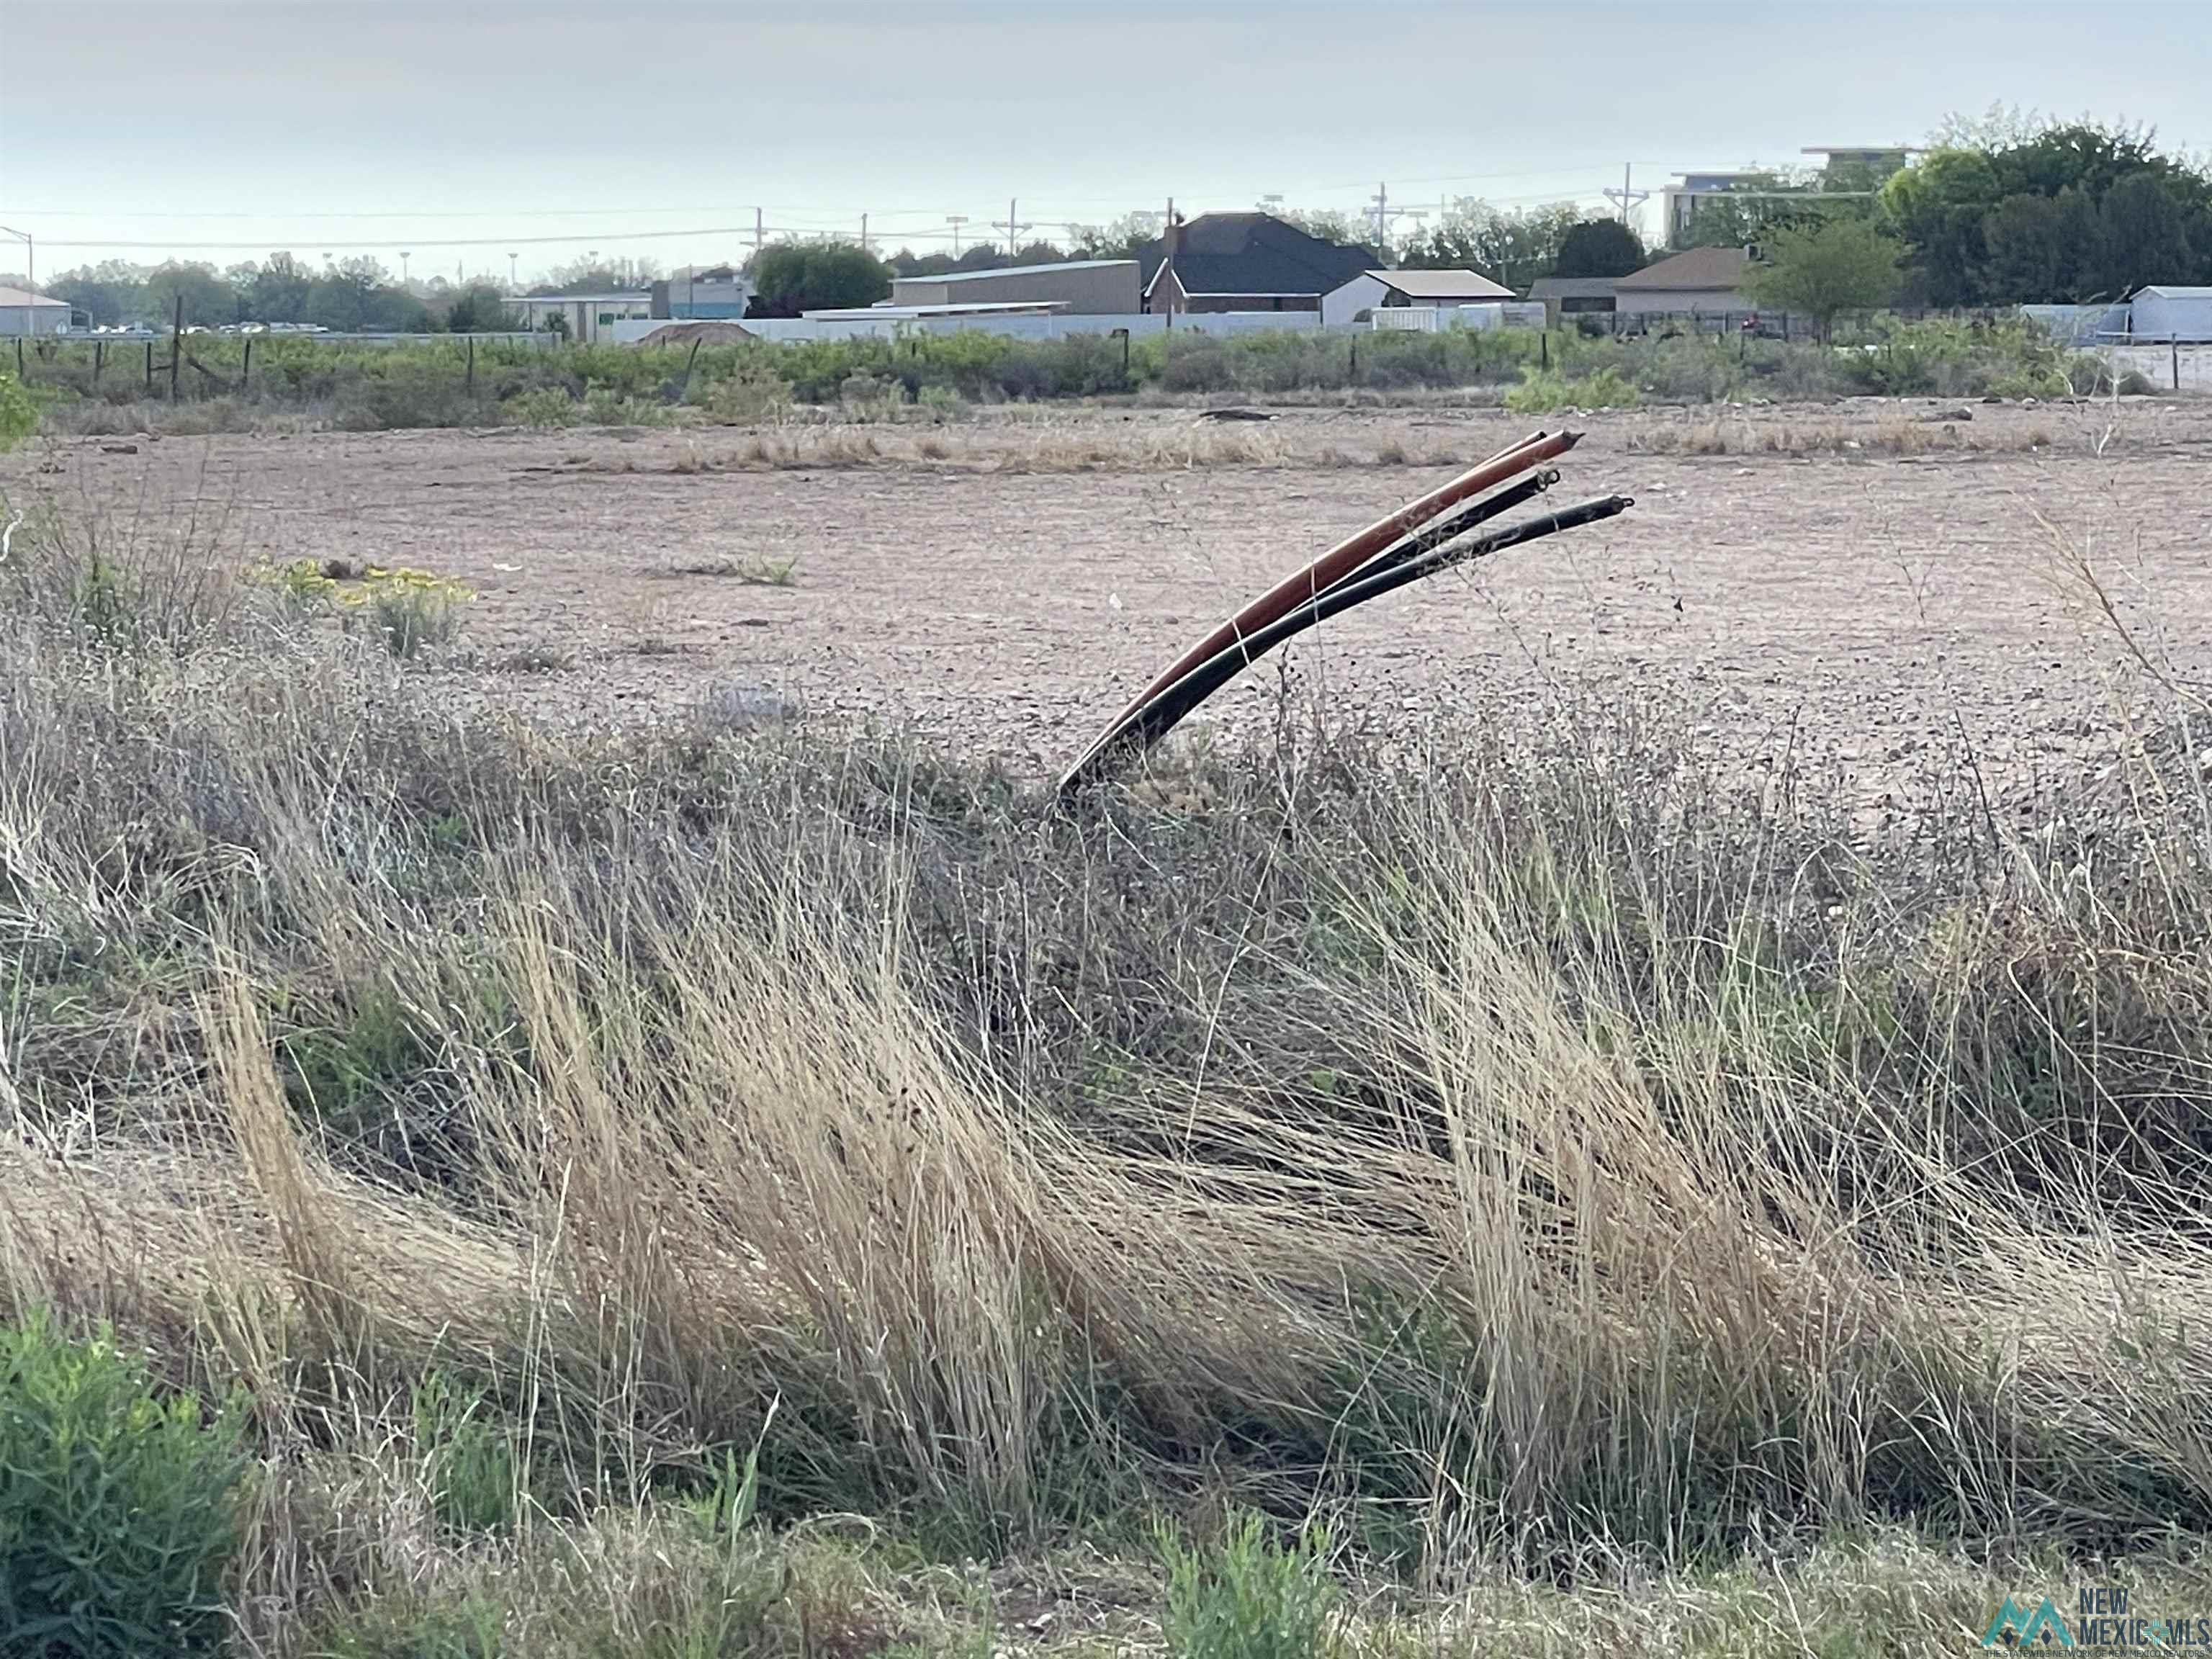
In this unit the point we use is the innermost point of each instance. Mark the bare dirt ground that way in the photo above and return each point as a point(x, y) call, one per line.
point(1871, 582)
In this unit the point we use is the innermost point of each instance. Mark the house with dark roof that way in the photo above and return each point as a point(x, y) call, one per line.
point(1704, 282)
point(1246, 261)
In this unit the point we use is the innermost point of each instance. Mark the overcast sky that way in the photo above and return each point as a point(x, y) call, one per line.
point(554, 126)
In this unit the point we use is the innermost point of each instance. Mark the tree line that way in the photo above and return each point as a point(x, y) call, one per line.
point(347, 297)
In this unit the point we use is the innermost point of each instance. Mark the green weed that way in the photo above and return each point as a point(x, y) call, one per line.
point(1246, 1596)
point(117, 1511)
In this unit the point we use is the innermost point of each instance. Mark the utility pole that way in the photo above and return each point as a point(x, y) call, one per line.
point(404, 255)
point(1013, 229)
point(1627, 198)
point(513, 281)
point(1382, 216)
point(864, 233)
point(956, 220)
point(759, 235)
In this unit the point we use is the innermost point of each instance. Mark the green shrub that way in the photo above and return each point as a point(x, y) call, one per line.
point(543, 406)
point(1246, 1596)
point(1541, 391)
point(408, 609)
point(117, 1517)
point(19, 415)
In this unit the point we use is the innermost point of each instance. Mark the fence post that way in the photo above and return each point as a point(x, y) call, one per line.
point(19, 357)
point(150, 368)
point(1544, 349)
point(472, 365)
point(246, 369)
point(98, 362)
point(176, 346)
point(2174, 346)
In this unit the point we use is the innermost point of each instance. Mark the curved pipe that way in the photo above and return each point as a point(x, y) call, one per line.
point(1163, 713)
point(1341, 561)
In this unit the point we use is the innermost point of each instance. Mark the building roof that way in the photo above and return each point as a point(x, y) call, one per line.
point(23, 297)
point(1442, 284)
point(636, 296)
point(1699, 269)
point(2162, 290)
point(1572, 287)
point(1018, 270)
point(1256, 253)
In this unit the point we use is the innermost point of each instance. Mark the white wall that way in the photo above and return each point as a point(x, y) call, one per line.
point(1032, 327)
point(1340, 304)
point(2163, 365)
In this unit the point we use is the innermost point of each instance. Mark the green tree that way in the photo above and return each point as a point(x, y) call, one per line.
point(2144, 236)
point(1599, 247)
point(1513, 248)
point(110, 292)
point(480, 308)
point(2114, 213)
point(1124, 238)
point(276, 291)
point(1764, 205)
point(1825, 268)
point(208, 300)
point(2025, 254)
point(792, 277)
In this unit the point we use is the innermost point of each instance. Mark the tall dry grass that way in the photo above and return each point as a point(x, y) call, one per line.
point(1519, 1156)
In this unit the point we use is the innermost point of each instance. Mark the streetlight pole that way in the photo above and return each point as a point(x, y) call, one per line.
point(406, 254)
point(514, 282)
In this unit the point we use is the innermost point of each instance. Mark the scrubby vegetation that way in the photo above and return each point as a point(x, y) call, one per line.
point(1301, 1202)
point(457, 384)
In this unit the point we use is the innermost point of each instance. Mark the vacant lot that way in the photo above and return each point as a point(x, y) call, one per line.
point(650, 1180)
point(1886, 578)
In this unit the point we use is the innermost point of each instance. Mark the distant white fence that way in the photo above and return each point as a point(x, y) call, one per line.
point(1428, 319)
point(1031, 326)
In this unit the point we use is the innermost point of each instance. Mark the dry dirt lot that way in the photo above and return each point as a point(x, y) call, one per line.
point(1869, 581)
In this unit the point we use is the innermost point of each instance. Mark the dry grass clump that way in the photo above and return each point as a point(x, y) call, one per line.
point(1535, 1159)
point(1019, 446)
point(1887, 437)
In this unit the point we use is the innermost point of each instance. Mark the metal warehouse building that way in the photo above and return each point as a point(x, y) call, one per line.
point(2171, 314)
point(23, 312)
point(1087, 288)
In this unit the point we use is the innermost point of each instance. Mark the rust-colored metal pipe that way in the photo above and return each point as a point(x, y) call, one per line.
point(1161, 713)
point(1339, 562)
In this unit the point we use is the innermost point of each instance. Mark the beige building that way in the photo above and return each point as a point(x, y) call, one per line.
point(1082, 287)
point(1705, 282)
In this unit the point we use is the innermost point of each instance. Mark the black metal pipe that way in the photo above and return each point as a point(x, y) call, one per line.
point(1452, 526)
point(1155, 719)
